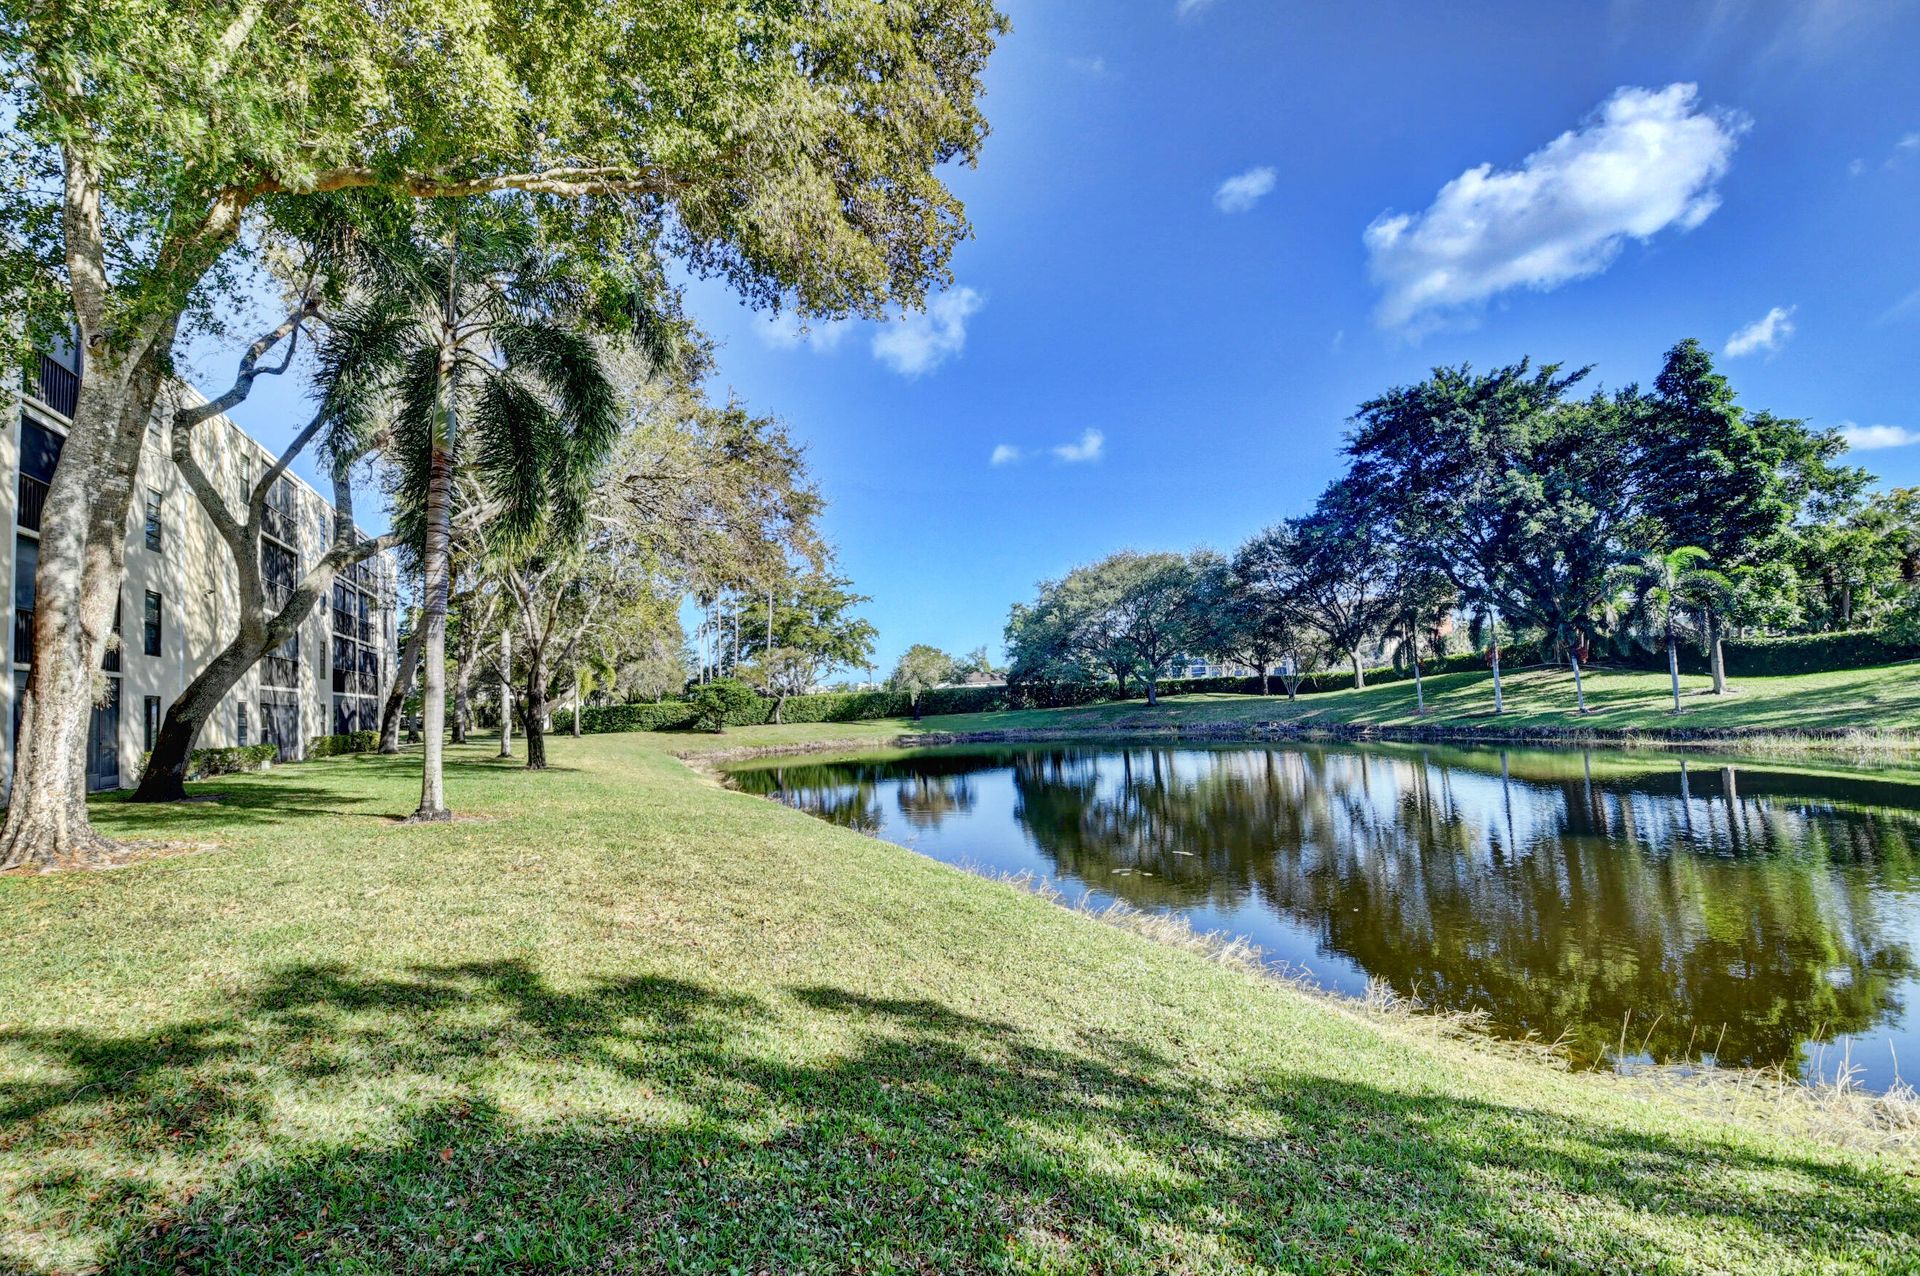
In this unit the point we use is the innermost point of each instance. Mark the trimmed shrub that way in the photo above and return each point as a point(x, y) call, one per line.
point(724, 702)
point(1792, 654)
point(1811, 653)
point(333, 746)
point(668, 715)
point(232, 760)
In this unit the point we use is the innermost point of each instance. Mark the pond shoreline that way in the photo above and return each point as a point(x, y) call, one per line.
point(1756, 740)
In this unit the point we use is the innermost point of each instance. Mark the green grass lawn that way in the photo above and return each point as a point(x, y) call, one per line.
point(624, 1020)
point(1886, 698)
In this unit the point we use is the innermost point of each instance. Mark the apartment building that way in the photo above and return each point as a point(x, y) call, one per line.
point(179, 603)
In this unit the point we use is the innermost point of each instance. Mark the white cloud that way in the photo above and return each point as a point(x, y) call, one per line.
point(1095, 65)
point(1092, 443)
point(1004, 454)
point(1239, 193)
point(918, 343)
point(1769, 332)
point(1648, 159)
point(785, 331)
point(1856, 168)
point(1867, 438)
point(1187, 8)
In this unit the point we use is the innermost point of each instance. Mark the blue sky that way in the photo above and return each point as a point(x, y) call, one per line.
point(1206, 229)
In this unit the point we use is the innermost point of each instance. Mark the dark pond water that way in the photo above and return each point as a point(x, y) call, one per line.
point(1748, 914)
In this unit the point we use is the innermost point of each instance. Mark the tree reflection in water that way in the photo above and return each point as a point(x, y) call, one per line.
point(1719, 912)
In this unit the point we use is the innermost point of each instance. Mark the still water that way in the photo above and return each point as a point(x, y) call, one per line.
point(1741, 912)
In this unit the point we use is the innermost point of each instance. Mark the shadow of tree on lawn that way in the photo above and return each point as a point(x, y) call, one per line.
point(489, 1121)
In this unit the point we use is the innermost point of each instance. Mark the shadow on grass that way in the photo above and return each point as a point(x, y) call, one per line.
point(294, 792)
point(498, 1123)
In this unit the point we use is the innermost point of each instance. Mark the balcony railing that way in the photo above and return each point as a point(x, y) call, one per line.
point(58, 387)
point(33, 502)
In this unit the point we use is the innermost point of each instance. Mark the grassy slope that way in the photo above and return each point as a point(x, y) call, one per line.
point(1882, 699)
point(629, 1021)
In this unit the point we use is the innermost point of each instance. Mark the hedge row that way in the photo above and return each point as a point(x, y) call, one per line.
point(231, 760)
point(836, 706)
point(331, 746)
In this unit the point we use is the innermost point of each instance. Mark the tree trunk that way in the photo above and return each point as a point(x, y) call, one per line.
point(1717, 644)
point(536, 709)
point(506, 691)
point(1579, 688)
point(82, 559)
point(458, 727)
point(437, 562)
point(1359, 674)
point(1153, 689)
point(1266, 681)
point(165, 779)
point(1673, 668)
point(578, 705)
point(1419, 688)
point(1499, 696)
point(397, 693)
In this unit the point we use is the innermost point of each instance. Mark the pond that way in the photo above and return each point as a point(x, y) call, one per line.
point(1745, 913)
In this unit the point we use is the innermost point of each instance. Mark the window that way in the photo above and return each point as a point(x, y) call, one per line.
point(246, 482)
point(26, 561)
point(240, 725)
point(150, 721)
point(153, 623)
point(153, 519)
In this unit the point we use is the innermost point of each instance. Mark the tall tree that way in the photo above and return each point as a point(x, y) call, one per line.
point(1333, 569)
point(921, 668)
point(1665, 588)
point(138, 147)
point(484, 340)
point(813, 629)
point(1436, 457)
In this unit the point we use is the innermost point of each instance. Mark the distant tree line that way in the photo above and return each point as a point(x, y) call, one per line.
point(1489, 511)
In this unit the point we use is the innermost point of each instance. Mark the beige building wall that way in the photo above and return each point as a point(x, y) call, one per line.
point(191, 576)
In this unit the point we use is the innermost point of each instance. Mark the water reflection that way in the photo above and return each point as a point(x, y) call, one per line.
point(1713, 910)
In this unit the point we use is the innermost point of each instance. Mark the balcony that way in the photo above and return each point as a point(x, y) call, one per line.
point(58, 387)
point(33, 502)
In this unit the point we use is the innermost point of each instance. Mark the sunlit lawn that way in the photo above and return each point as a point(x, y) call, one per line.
point(626, 1021)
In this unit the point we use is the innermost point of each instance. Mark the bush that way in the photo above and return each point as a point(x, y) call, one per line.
point(333, 746)
point(205, 763)
point(1817, 653)
point(722, 702)
point(668, 715)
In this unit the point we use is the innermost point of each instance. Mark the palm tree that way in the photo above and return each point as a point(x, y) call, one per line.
point(480, 334)
point(1664, 588)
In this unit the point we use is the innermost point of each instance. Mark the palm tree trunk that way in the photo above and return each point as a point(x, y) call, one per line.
point(1499, 698)
point(1673, 668)
point(1717, 642)
point(1579, 687)
point(578, 705)
point(1419, 689)
point(438, 563)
